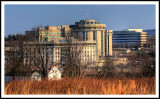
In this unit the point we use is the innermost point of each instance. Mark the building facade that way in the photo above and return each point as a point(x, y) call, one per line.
point(129, 38)
point(57, 52)
point(49, 33)
point(88, 36)
point(91, 30)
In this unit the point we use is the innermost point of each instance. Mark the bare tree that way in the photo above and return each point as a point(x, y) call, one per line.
point(14, 61)
point(75, 64)
point(150, 42)
point(141, 64)
point(37, 56)
point(108, 69)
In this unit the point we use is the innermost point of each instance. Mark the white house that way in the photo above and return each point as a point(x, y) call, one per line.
point(36, 76)
point(54, 74)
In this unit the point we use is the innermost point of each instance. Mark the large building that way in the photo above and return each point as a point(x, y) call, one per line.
point(85, 30)
point(91, 30)
point(129, 38)
point(57, 50)
point(89, 35)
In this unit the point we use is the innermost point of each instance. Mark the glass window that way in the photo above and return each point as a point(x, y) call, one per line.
point(94, 35)
point(86, 35)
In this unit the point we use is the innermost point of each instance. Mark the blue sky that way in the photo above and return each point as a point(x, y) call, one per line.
point(20, 18)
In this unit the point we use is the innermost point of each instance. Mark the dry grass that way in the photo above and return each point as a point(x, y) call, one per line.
point(83, 86)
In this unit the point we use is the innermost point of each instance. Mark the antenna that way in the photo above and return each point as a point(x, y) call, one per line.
point(87, 15)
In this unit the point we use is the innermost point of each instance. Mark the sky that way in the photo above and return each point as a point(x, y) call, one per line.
point(21, 18)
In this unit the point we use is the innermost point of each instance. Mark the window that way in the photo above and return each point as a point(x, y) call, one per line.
point(57, 33)
point(94, 35)
point(86, 35)
point(102, 43)
point(83, 35)
point(43, 38)
point(105, 42)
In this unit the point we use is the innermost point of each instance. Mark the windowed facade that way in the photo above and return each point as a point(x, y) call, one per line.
point(130, 37)
point(93, 36)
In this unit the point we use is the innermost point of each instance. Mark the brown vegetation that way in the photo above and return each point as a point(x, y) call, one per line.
point(83, 86)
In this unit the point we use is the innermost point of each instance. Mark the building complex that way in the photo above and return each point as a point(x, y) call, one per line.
point(91, 37)
point(87, 39)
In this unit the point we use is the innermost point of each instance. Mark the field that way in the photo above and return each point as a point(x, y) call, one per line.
point(85, 86)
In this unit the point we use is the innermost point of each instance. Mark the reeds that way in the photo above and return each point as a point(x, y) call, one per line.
point(84, 86)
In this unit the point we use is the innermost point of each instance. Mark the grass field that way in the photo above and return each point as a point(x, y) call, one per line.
point(85, 86)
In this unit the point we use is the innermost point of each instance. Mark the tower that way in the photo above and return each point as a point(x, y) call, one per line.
point(91, 30)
